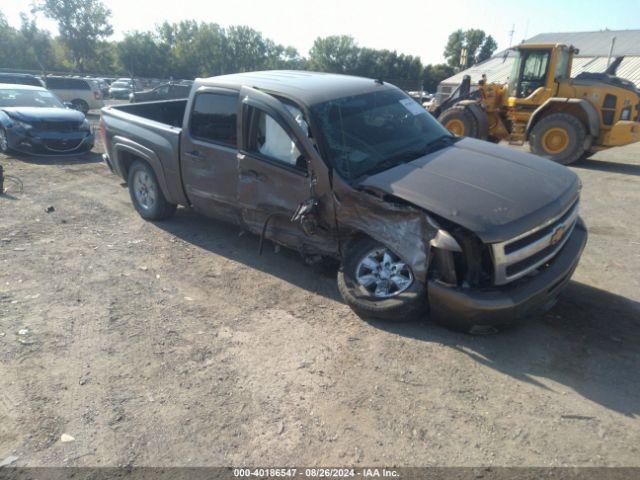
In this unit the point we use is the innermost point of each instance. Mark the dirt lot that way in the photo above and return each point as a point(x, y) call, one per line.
point(177, 344)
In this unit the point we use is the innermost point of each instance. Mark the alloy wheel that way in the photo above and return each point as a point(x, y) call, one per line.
point(144, 189)
point(383, 274)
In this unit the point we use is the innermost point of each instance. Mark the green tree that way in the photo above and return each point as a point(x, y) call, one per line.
point(467, 48)
point(453, 48)
point(7, 41)
point(82, 25)
point(336, 54)
point(434, 74)
point(487, 50)
point(37, 43)
point(25, 48)
point(193, 49)
point(141, 55)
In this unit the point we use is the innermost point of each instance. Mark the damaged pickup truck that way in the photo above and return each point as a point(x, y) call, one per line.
point(337, 166)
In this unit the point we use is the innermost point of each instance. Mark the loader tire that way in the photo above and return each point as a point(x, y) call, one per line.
point(560, 137)
point(460, 121)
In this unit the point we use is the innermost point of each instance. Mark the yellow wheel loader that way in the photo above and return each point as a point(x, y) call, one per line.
point(562, 118)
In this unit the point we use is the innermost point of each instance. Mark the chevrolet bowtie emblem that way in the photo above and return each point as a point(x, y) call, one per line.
point(557, 236)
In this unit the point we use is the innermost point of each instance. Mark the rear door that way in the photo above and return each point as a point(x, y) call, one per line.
point(276, 170)
point(208, 150)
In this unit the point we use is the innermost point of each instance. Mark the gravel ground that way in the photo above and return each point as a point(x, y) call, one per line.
point(177, 344)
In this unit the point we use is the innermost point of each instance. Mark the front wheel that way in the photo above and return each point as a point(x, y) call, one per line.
point(377, 283)
point(560, 137)
point(146, 194)
point(4, 141)
point(460, 121)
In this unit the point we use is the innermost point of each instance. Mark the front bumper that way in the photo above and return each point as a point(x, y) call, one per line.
point(50, 143)
point(499, 306)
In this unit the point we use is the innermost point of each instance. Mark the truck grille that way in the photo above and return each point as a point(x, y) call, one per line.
point(523, 254)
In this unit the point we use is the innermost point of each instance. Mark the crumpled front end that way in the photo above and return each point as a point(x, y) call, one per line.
point(458, 269)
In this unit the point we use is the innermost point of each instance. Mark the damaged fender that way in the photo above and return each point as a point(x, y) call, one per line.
point(404, 229)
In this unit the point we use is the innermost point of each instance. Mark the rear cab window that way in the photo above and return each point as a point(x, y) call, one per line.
point(213, 118)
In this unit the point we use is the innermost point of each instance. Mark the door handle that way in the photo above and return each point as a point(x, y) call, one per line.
point(195, 154)
point(253, 174)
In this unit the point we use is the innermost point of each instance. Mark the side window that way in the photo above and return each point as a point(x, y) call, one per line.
point(535, 66)
point(562, 64)
point(55, 83)
point(270, 140)
point(213, 118)
point(80, 85)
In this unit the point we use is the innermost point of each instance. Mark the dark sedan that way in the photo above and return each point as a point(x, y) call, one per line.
point(33, 120)
point(166, 91)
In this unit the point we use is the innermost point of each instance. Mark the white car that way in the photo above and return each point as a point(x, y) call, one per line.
point(82, 94)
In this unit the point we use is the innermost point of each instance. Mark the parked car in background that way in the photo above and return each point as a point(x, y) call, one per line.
point(103, 86)
point(120, 90)
point(122, 87)
point(82, 94)
point(165, 91)
point(21, 79)
point(33, 120)
point(355, 169)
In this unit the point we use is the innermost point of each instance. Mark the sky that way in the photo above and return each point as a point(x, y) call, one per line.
point(415, 27)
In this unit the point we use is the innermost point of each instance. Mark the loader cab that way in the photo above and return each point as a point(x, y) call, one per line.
point(537, 69)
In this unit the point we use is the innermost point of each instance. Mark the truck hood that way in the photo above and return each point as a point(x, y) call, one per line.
point(496, 192)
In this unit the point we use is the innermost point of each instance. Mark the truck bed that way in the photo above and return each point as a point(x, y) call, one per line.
point(169, 112)
point(149, 130)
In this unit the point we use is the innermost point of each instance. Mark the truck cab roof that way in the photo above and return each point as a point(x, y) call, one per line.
point(309, 88)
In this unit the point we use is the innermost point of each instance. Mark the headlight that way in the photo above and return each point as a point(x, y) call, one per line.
point(19, 124)
point(444, 248)
point(445, 241)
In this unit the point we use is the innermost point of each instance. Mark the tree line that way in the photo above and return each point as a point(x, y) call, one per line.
point(189, 49)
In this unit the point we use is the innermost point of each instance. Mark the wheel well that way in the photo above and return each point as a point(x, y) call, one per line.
point(353, 238)
point(573, 109)
point(125, 160)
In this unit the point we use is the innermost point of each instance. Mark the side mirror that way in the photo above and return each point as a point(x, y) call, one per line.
point(69, 105)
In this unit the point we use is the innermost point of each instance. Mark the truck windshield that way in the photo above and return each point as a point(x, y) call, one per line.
point(371, 132)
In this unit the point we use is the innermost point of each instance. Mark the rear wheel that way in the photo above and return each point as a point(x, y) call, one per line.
point(460, 121)
point(146, 194)
point(377, 283)
point(81, 105)
point(559, 137)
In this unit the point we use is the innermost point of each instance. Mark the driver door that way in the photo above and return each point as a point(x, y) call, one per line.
point(278, 169)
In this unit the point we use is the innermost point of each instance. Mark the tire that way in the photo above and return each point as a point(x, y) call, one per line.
point(460, 121)
point(146, 194)
point(560, 137)
point(80, 105)
point(402, 305)
point(4, 141)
